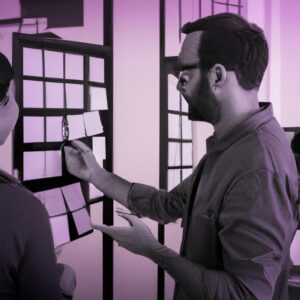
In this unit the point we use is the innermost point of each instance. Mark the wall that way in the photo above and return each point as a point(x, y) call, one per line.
point(136, 127)
point(136, 132)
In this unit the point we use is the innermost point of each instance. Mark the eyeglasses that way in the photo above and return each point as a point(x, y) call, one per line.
point(4, 100)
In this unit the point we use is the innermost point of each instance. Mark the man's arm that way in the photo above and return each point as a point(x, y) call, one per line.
point(159, 205)
point(257, 222)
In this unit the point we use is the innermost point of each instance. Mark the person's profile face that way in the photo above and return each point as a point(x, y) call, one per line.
point(194, 85)
point(9, 112)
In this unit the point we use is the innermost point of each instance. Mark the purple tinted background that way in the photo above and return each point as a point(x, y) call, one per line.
point(136, 113)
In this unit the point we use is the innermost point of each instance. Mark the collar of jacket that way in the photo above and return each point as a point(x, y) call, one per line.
point(264, 115)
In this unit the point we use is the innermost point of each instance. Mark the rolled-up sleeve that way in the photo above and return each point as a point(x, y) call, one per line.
point(159, 205)
point(258, 222)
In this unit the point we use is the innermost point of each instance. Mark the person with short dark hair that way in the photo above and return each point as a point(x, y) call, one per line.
point(238, 207)
point(28, 267)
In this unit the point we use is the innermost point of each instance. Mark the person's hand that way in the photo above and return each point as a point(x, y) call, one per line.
point(81, 161)
point(137, 238)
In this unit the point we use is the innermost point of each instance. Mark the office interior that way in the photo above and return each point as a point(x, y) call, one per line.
point(129, 46)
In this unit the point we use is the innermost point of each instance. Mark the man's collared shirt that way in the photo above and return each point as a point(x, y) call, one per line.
point(238, 211)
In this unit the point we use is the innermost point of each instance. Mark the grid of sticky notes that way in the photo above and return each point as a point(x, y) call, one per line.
point(179, 136)
point(62, 203)
point(56, 81)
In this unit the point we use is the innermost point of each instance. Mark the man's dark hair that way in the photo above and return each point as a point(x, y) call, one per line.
point(6, 75)
point(239, 46)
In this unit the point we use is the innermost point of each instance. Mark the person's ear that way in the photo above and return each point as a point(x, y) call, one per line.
point(217, 76)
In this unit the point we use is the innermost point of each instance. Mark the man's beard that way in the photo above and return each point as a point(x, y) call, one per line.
point(203, 105)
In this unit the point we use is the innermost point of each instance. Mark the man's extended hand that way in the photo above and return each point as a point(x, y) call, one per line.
point(137, 238)
point(81, 161)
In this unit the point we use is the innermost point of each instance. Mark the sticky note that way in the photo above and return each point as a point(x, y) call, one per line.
point(60, 230)
point(33, 94)
point(92, 123)
point(32, 62)
point(82, 221)
point(76, 126)
point(53, 201)
point(54, 95)
point(74, 66)
point(96, 69)
point(33, 129)
point(74, 196)
point(98, 96)
point(53, 163)
point(54, 129)
point(54, 64)
point(33, 165)
point(74, 94)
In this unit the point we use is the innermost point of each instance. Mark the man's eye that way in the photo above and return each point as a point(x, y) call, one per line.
point(183, 81)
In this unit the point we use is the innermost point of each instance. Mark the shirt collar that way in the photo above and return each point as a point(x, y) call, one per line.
point(246, 126)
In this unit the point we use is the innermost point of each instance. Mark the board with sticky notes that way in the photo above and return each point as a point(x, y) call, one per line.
point(61, 84)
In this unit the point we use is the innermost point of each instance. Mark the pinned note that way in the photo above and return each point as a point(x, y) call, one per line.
point(92, 123)
point(76, 127)
point(96, 69)
point(98, 97)
point(53, 201)
point(53, 129)
point(33, 129)
point(32, 62)
point(74, 196)
point(33, 94)
point(54, 64)
point(82, 221)
point(74, 93)
point(60, 230)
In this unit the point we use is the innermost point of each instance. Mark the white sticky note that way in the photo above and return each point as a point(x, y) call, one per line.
point(54, 64)
point(94, 192)
point(173, 94)
point(92, 123)
point(174, 130)
point(186, 173)
point(53, 163)
point(98, 98)
point(74, 93)
point(76, 127)
point(32, 62)
point(33, 165)
point(53, 201)
point(174, 157)
point(54, 95)
point(96, 69)
point(33, 129)
point(99, 149)
point(187, 154)
point(74, 66)
point(186, 128)
point(33, 94)
point(60, 230)
point(82, 221)
point(74, 196)
point(54, 129)
point(173, 178)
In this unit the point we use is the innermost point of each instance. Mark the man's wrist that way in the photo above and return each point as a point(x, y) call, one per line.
point(160, 254)
point(96, 175)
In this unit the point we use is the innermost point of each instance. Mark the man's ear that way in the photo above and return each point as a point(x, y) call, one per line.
point(217, 75)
